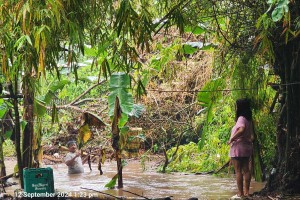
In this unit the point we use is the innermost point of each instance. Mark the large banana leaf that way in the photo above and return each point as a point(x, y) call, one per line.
point(207, 97)
point(119, 83)
point(119, 80)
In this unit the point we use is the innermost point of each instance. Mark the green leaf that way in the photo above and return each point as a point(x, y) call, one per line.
point(283, 3)
point(155, 148)
point(124, 163)
point(125, 99)
point(208, 47)
point(201, 143)
point(3, 108)
point(19, 43)
point(48, 97)
point(90, 51)
point(8, 133)
point(204, 98)
point(123, 120)
point(208, 96)
point(103, 47)
point(28, 39)
point(58, 85)
point(280, 9)
point(39, 107)
point(203, 138)
point(119, 80)
point(188, 49)
point(277, 14)
point(2, 112)
point(198, 30)
point(23, 125)
point(188, 29)
point(111, 184)
point(137, 110)
point(16, 170)
point(124, 129)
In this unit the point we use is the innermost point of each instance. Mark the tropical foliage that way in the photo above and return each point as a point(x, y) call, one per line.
point(254, 46)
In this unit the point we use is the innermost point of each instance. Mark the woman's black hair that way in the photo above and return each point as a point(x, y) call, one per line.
point(243, 108)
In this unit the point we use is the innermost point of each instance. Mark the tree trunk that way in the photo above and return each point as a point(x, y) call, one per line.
point(115, 142)
point(17, 128)
point(29, 128)
point(2, 164)
point(286, 177)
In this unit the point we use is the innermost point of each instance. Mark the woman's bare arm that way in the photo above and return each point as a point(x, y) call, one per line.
point(238, 134)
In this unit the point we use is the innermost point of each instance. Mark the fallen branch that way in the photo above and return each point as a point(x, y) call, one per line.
point(4, 178)
point(272, 198)
point(204, 173)
point(101, 192)
point(225, 165)
point(136, 194)
point(53, 159)
point(85, 92)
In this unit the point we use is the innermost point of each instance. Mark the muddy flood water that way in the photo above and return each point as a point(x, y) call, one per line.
point(148, 183)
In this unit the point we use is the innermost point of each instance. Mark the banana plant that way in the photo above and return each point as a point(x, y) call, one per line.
point(121, 106)
point(207, 97)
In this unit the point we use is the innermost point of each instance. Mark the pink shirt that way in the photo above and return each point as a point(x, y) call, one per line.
point(242, 146)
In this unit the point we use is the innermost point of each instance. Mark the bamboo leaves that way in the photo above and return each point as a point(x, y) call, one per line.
point(21, 42)
point(46, 99)
point(105, 69)
point(137, 26)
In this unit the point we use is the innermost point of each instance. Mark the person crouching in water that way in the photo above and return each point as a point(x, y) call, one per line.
point(73, 159)
point(241, 146)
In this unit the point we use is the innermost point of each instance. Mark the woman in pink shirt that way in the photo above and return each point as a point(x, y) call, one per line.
point(241, 146)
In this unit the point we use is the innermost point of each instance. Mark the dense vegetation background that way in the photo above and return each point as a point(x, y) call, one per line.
point(92, 69)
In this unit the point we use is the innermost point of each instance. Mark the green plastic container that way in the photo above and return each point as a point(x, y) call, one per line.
point(38, 180)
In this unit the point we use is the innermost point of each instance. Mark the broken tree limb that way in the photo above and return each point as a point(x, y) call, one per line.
point(85, 92)
point(110, 195)
point(223, 167)
point(4, 178)
point(136, 194)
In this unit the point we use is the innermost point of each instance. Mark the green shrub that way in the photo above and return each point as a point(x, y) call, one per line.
point(9, 148)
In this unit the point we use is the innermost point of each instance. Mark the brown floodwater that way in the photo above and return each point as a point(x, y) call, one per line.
point(148, 183)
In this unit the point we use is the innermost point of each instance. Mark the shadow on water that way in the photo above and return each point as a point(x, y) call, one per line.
point(147, 183)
